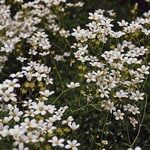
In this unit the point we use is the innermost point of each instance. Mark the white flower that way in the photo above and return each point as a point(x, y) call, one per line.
point(134, 110)
point(123, 23)
point(11, 84)
point(133, 121)
point(21, 147)
point(56, 142)
point(28, 103)
point(73, 125)
point(90, 77)
point(118, 115)
point(29, 113)
point(4, 130)
point(109, 106)
point(64, 33)
point(49, 81)
point(121, 94)
point(103, 92)
point(94, 16)
point(21, 59)
point(127, 107)
point(51, 109)
point(147, 1)
point(83, 59)
point(40, 108)
point(138, 148)
point(105, 142)
point(9, 96)
point(72, 145)
point(81, 34)
point(137, 96)
point(73, 85)
point(15, 114)
point(69, 119)
point(29, 123)
point(145, 31)
point(46, 94)
point(39, 76)
point(130, 149)
point(144, 69)
point(16, 131)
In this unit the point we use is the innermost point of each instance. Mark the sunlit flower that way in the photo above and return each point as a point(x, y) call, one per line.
point(72, 145)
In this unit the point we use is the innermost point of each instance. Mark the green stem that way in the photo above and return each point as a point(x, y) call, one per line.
point(139, 129)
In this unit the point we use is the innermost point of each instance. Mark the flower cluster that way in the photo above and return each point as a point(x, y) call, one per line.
point(29, 118)
point(33, 119)
point(65, 87)
point(117, 73)
point(113, 76)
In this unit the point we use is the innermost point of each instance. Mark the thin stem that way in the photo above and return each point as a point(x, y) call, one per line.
point(104, 126)
point(81, 108)
point(57, 71)
point(61, 95)
point(139, 130)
